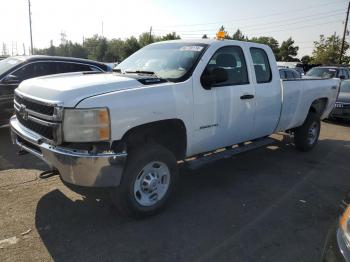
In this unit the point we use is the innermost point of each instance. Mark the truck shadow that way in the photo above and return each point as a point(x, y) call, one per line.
point(340, 122)
point(219, 211)
point(9, 158)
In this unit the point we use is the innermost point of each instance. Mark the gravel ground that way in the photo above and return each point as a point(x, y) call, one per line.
point(271, 204)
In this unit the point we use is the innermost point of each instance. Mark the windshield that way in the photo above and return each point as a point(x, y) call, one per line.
point(345, 86)
point(8, 63)
point(170, 61)
point(322, 72)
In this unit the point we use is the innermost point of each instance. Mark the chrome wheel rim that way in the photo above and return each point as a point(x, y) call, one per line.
point(152, 183)
point(313, 133)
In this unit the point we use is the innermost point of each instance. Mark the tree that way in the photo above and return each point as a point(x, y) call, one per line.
point(238, 35)
point(101, 49)
point(131, 45)
point(288, 51)
point(305, 59)
point(205, 36)
point(327, 50)
point(170, 36)
point(146, 39)
point(270, 41)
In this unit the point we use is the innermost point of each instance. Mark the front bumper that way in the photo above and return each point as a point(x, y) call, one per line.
point(336, 247)
point(75, 167)
point(341, 110)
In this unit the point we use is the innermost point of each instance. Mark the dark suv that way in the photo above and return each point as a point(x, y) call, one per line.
point(14, 70)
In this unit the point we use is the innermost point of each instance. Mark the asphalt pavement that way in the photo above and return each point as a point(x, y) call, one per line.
point(271, 204)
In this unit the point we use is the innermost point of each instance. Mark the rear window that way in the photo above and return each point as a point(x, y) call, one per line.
point(345, 86)
point(261, 65)
point(322, 72)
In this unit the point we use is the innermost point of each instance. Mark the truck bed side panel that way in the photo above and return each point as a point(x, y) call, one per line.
point(298, 96)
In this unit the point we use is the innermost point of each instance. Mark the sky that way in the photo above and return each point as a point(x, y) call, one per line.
point(302, 20)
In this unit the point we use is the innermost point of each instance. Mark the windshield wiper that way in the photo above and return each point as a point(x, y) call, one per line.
point(141, 72)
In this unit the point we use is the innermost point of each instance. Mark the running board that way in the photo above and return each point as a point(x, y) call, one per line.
point(194, 163)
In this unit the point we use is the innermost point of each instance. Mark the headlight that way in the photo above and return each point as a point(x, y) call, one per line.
point(344, 223)
point(86, 125)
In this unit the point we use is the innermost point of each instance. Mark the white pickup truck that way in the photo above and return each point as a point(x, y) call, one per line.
point(126, 131)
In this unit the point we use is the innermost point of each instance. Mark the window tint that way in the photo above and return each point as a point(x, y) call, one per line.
point(283, 74)
point(35, 70)
point(230, 58)
point(261, 65)
point(296, 75)
point(72, 67)
point(346, 73)
point(289, 74)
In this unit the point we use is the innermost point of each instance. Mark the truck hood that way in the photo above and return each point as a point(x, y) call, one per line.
point(344, 97)
point(70, 89)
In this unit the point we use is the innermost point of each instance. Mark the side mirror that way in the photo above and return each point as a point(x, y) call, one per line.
point(11, 79)
point(210, 79)
point(342, 77)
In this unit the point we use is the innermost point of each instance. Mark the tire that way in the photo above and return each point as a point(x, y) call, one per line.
point(306, 136)
point(148, 180)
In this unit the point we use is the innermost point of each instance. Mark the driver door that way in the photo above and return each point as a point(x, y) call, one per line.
point(224, 112)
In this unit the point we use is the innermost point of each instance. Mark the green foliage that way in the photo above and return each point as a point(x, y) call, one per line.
point(288, 51)
point(238, 35)
point(170, 36)
point(104, 50)
point(327, 50)
point(305, 59)
point(270, 41)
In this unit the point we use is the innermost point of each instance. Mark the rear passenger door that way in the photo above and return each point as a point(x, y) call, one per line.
point(223, 114)
point(268, 91)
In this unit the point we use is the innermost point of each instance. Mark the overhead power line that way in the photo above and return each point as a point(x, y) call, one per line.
point(275, 24)
point(257, 17)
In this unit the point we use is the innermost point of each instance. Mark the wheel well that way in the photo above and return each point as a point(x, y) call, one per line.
point(318, 106)
point(169, 133)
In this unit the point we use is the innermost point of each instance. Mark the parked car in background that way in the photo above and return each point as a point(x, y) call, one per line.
point(328, 72)
point(292, 65)
point(337, 244)
point(14, 70)
point(287, 74)
point(342, 106)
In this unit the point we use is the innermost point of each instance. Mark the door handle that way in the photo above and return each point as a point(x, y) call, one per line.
point(247, 97)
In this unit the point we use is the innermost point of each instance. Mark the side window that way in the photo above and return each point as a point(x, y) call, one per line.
point(283, 74)
point(289, 74)
point(231, 59)
point(35, 70)
point(261, 65)
point(72, 67)
point(346, 72)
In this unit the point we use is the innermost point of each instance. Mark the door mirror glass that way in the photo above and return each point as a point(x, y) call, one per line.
point(216, 76)
point(11, 79)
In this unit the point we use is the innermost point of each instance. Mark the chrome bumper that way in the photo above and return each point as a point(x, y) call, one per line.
point(75, 167)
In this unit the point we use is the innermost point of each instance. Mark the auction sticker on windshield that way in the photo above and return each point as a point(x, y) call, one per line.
point(192, 48)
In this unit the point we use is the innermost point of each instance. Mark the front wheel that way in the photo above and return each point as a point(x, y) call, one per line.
point(148, 180)
point(306, 136)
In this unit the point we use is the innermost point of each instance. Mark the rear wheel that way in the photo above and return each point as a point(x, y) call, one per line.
point(306, 136)
point(148, 180)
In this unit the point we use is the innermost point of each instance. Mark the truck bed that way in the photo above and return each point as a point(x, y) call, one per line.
point(299, 94)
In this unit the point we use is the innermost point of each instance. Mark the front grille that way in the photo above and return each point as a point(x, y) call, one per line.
point(45, 131)
point(43, 119)
point(40, 108)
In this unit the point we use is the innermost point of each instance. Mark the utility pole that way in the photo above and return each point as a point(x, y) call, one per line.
point(345, 29)
point(102, 28)
point(30, 25)
point(150, 35)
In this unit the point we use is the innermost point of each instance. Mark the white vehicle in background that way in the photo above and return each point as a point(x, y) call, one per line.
point(125, 131)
